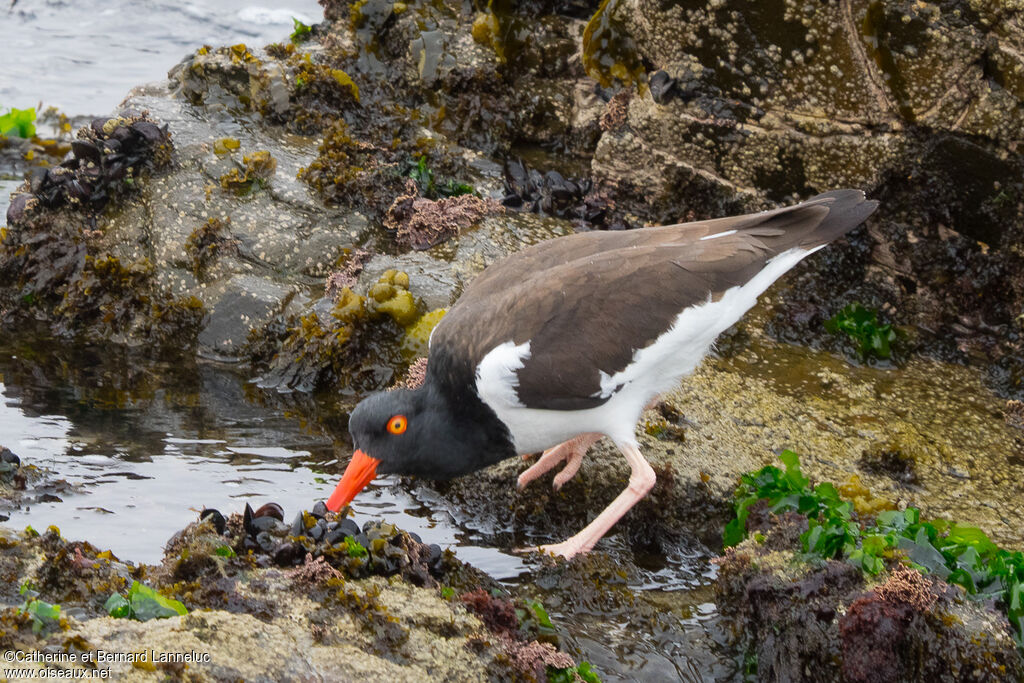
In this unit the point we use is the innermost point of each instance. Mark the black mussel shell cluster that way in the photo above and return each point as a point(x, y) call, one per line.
point(387, 550)
point(104, 157)
point(552, 194)
point(715, 104)
point(664, 87)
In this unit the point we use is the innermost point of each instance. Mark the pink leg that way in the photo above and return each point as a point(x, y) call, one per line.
point(641, 480)
point(572, 450)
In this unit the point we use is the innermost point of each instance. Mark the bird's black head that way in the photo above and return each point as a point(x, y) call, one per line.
point(409, 432)
point(417, 432)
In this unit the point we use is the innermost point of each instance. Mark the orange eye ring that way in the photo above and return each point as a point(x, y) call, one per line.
point(398, 424)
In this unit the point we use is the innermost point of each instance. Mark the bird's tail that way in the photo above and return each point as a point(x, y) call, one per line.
point(816, 222)
point(846, 210)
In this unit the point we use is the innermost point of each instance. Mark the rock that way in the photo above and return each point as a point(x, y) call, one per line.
point(309, 620)
point(801, 620)
point(244, 303)
point(768, 106)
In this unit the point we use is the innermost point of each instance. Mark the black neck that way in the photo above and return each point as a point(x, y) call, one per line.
point(454, 379)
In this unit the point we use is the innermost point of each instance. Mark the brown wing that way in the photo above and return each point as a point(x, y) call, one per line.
point(586, 302)
point(793, 223)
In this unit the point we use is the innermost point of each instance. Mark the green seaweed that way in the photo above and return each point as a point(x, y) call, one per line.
point(423, 175)
point(861, 324)
point(354, 548)
point(301, 32)
point(541, 613)
point(18, 122)
point(43, 614)
point(581, 671)
point(960, 555)
point(142, 604)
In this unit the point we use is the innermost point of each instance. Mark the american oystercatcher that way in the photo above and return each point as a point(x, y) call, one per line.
point(570, 339)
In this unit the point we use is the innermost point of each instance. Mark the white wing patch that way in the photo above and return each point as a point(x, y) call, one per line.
point(717, 234)
point(496, 378)
point(658, 366)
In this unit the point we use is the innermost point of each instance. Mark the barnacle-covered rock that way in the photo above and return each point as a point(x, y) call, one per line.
point(381, 613)
point(745, 106)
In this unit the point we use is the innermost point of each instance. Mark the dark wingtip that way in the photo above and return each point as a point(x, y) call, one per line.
point(846, 210)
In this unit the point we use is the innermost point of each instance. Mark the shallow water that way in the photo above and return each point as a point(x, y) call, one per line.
point(148, 444)
point(146, 451)
point(83, 58)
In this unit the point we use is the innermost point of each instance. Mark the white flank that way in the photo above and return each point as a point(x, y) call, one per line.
point(679, 350)
point(496, 378)
point(654, 370)
point(717, 234)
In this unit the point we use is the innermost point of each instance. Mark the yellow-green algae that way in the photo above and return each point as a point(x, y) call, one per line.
point(257, 168)
point(226, 145)
point(609, 53)
point(392, 296)
point(417, 335)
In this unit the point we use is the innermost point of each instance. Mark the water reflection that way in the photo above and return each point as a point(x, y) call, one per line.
point(148, 444)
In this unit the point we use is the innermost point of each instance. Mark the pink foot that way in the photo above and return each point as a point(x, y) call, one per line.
point(572, 450)
point(641, 480)
point(567, 549)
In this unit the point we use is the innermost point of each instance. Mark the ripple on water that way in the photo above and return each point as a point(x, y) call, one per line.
point(85, 60)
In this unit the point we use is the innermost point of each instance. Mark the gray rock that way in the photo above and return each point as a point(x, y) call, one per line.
point(243, 303)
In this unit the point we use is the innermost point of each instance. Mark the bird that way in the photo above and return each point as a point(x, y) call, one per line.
point(569, 340)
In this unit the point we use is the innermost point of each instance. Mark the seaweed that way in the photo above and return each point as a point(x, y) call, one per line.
point(609, 52)
point(208, 242)
point(582, 671)
point(18, 122)
point(862, 326)
point(253, 173)
point(431, 189)
point(43, 614)
point(142, 604)
point(960, 555)
point(301, 32)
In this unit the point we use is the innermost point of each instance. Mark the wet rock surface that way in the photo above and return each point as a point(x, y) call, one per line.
point(333, 608)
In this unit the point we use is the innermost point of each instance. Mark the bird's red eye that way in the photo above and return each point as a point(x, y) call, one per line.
point(397, 424)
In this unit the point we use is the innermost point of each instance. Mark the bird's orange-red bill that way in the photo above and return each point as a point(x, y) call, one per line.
point(360, 472)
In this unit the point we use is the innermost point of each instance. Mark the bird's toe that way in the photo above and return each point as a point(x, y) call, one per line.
point(566, 549)
point(572, 466)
